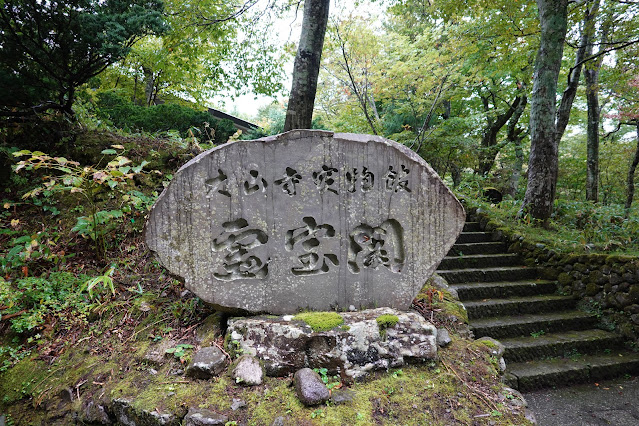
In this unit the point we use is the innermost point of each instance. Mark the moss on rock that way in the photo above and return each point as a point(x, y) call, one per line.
point(564, 279)
point(386, 321)
point(320, 321)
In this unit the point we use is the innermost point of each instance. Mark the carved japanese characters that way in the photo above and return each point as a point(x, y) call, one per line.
point(307, 219)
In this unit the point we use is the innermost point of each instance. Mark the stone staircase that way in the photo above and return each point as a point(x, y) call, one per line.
point(548, 342)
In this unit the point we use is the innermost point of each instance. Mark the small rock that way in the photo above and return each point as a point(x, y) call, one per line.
point(309, 387)
point(185, 293)
point(248, 371)
point(153, 371)
point(237, 404)
point(279, 421)
point(530, 416)
point(516, 398)
point(502, 364)
point(66, 395)
point(342, 396)
point(126, 414)
point(633, 309)
point(443, 338)
point(202, 416)
point(352, 308)
point(206, 363)
point(94, 413)
point(496, 347)
point(156, 354)
point(177, 372)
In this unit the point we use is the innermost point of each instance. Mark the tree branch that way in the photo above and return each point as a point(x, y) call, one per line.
point(601, 53)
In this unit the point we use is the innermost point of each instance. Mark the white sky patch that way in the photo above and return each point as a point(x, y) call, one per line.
point(286, 30)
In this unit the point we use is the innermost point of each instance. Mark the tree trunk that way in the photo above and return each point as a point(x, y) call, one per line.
point(544, 147)
point(631, 175)
point(135, 89)
point(149, 85)
point(591, 75)
point(489, 146)
point(516, 136)
point(568, 97)
point(592, 170)
point(299, 114)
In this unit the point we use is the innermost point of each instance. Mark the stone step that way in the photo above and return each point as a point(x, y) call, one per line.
point(472, 227)
point(480, 261)
point(518, 306)
point(505, 273)
point(474, 237)
point(503, 289)
point(524, 325)
point(562, 344)
point(492, 247)
point(531, 375)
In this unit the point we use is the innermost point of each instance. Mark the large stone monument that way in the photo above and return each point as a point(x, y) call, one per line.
point(305, 220)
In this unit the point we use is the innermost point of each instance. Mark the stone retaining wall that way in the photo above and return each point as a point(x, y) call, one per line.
point(607, 285)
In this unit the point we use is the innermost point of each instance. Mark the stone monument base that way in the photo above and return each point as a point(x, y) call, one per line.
point(365, 341)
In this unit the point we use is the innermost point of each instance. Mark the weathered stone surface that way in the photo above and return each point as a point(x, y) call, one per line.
point(342, 396)
point(156, 354)
point(496, 347)
point(237, 404)
point(279, 421)
point(443, 337)
point(248, 371)
point(128, 415)
point(307, 219)
point(203, 417)
point(356, 347)
point(309, 387)
point(94, 413)
point(206, 363)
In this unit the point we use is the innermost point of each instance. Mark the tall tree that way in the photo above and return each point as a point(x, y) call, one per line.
point(630, 180)
point(299, 114)
point(543, 160)
point(591, 77)
point(353, 49)
point(49, 48)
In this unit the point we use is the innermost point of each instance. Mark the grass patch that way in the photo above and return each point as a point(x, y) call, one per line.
point(575, 226)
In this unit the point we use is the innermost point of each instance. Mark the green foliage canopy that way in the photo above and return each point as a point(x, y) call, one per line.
point(49, 48)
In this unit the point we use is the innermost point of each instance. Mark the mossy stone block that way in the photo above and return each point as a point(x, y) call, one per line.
point(592, 289)
point(595, 276)
point(564, 279)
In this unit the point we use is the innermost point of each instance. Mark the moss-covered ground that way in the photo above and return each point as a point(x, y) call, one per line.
point(461, 387)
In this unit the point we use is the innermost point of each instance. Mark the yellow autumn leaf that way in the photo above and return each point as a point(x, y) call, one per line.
point(7, 205)
point(15, 222)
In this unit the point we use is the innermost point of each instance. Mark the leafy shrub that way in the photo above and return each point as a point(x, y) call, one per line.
point(187, 121)
point(89, 181)
point(26, 249)
point(27, 301)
